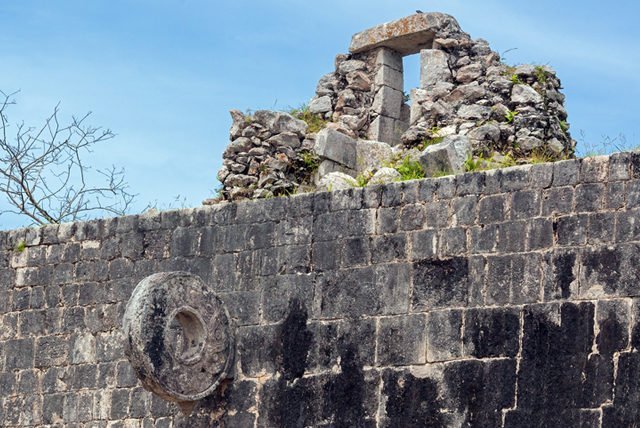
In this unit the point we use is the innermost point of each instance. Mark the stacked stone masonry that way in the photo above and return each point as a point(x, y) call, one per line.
point(465, 91)
point(508, 298)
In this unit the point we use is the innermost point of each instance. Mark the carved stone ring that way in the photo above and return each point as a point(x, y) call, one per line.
point(177, 336)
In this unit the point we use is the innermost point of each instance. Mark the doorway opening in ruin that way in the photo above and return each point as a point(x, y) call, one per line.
point(411, 71)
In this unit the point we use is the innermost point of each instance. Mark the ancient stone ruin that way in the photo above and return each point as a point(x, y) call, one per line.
point(506, 297)
point(470, 107)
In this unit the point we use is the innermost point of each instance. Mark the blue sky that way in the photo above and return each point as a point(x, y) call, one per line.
point(162, 74)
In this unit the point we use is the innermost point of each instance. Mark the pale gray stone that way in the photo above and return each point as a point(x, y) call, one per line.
point(469, 73)
point(371, 155)
point(284, 122)
point(333, 145)
point(336, 181)
point(285, 139)
point(239, 123)
point(388, 102)
point(351, 65)
point(525, 94)
point(487, 132)
point(474, 112)
point(320, 104)
point(390, 58)
point(387, 76)
point(529, 143)
point(384, 129)
point(384, 175)
point(447, 156)
point(359, 80)
point(434, 68)
point(238, 145)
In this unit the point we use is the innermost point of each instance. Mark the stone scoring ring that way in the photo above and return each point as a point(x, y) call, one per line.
point(177, 336)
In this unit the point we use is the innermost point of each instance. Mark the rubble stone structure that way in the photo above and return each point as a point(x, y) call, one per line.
point(465, 90)
point(507, 298)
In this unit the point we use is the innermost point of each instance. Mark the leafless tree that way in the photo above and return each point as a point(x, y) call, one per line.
point(43, 175)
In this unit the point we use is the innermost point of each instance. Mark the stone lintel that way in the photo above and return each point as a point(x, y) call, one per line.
point(407, 36)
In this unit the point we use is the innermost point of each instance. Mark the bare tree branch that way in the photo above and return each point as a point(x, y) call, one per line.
point(43, 176)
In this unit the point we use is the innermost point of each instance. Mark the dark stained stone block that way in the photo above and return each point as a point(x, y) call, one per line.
point(402, 340)
point(439, 283)
point(491, 332)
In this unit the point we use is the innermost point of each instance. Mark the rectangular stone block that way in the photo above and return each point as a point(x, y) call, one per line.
point(437, 214)
point(594, 169)
point(491, 209)
point(526, 278)
point(412, 217)
point(423, 244)
point(572, 229)
point(525, 204)
point(558, 200)
point(452, 242)
point(385, 129)
point(464, 210)
point(601, 228)
point(512, 236)
point(336, 146)
point(279, 292)
point(491, 333)
point(401, 340)
point(589, 197)
point(388, 102)
point(333, 340)
point(243, 306)
point(388, 248)
point(434, 68)
point(566, 172)
point(498, 281)
point(256, 349)
point(21, 355)
point(540, 234)
point(439, 283)
point(372, 290)
point(619, 166)
point(390, 58)
point(387, 76)
point(444, 335)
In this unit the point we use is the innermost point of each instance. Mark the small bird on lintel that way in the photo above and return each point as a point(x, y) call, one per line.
point(419, 11)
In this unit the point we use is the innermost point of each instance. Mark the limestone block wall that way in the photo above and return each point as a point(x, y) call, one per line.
point(507, 298)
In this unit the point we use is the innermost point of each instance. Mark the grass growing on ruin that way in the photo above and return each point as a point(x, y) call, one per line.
point(482, 163)
point(409, 169)
point(310, 160)
point(20, 247)
point(541, 74)
point(315, 122)
point(510, 116)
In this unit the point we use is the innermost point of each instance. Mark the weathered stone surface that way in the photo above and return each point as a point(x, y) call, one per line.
point(388, 102)
point(434, 68)
point(384, 176)
point(320, 104)
point(336, 181)
point(525, 94)
point(385, 129)
point(335, 146)
point(387, 76)
point(448, 156)
point(177, 336)
point(407, 35)
point(371, 155)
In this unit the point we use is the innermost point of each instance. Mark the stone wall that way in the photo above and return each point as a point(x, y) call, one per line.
point(503, 298)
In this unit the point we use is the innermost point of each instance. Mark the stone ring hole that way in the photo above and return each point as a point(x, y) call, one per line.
point(186, 335)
